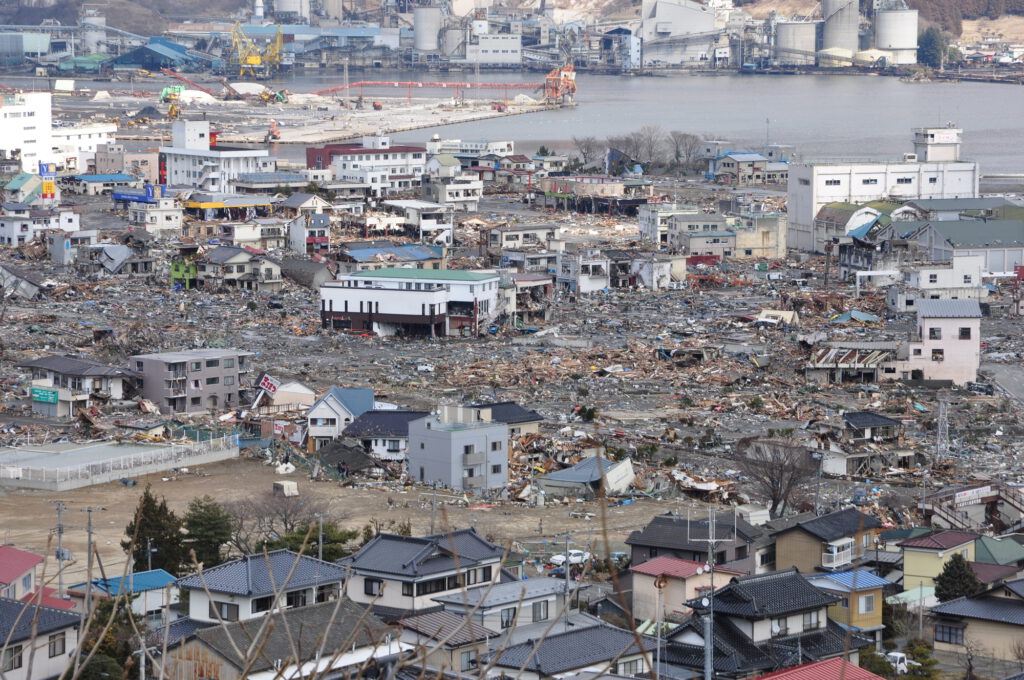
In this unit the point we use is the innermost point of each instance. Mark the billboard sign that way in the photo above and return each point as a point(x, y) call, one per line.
point(44, 395)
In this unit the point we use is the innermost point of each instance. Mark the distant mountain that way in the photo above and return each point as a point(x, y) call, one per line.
point(146, 17)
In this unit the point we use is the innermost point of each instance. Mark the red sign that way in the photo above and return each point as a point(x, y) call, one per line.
point(268, 384)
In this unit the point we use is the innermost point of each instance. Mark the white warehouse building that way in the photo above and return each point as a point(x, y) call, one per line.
point(934, 170)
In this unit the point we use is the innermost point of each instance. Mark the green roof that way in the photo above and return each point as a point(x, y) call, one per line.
point(19, 180)
point(998, 551)
point(424, 274)
point(884, 207)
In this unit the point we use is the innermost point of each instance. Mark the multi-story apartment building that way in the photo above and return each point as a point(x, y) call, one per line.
point(460, 448)
point(196, 160)
point(20, 223)
point(192, 380)
point(375, 162)
point(26, 128)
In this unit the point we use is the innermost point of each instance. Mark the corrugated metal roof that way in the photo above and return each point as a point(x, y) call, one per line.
point(425, 274)
point(853, 579)
point(948, 309)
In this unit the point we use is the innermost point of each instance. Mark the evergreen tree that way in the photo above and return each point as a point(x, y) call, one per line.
point(956, 580)
point(306, 536)
point(930, 46)
point(154, 536)
point(209, 527)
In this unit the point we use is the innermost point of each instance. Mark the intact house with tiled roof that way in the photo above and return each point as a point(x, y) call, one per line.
point(859, 607)
point(331, 639)
point(827, 542)
point(407, 572)
point(384, 434)
point(601, 648)
point(992, 620)
point(446, 640)
point(502, 607)
point(37, 639)
point(681, 581)
point(255, 585)
point(925, 556)
point(19, 580)
point(333, 411)
point(763, 623)
point(63, 384)
point(741, 546)
point(239, 268)
point(520, 420)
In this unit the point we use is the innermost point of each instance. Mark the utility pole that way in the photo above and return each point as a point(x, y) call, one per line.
point(88, 568)
point(320, 538)
point(942, 430)
point(433, 508)
point(709, 601)
point(149, 554)
point(60, 554)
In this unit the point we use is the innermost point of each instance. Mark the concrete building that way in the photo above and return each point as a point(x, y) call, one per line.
point(375, 162)
point(162, 217)
point(437, 146)
point(21, 223)
point(238, 268)
point(933, 171)
point(947, 342)
point(75, 146)
point(459, 448)
point(495, 49)
point(196, 160)
point(26, 128)
point(461, 193)
point(411, 301)
point(522, 235)
point(655, 217)
point(583, 270)
point(432, 223)
point(718, 243)
point(961, 279)
point(98, 185)
point(662, 20)
point(193, 380)
point(61, 385)
point(113, 157)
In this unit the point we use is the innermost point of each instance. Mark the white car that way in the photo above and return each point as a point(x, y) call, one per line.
point(575, 557)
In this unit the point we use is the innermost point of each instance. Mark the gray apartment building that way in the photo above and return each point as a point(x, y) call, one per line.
point(193, 380)
point(459, 448)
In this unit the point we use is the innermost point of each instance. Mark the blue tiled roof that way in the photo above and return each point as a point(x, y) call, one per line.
point(409, 252)
point(135, 583)
point(860, 579)
point(115, 177)
point(17, 620)
point(259, 575)
point(358, 400)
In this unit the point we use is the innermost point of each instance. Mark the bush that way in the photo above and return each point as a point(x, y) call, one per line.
point(875, 663)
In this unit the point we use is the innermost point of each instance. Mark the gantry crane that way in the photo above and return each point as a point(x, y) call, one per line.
point(245, 53)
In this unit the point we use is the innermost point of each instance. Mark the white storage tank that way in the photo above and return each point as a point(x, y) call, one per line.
point(426, 28)
point(842, 24)
point(795, 42)
point(454, 42)
point(288, 6)
point(835, 57)
point(896, 32)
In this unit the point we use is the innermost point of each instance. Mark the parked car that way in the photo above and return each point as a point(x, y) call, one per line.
point(900, 662)
point(575, 557)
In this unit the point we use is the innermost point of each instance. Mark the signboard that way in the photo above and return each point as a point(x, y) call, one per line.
point(269, 385)
point(49, 189)
point(44, 395)
point(47, 169)
point(971, 495)
point(155, 190)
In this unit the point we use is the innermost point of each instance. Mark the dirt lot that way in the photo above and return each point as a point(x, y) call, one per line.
point(28, 516)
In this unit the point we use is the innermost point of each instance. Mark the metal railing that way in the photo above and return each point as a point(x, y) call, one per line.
point(837, 559)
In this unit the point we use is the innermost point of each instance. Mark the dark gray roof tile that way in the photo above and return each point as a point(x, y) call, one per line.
point(265, 574)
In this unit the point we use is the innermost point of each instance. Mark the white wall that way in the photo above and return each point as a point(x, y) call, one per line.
point(42, 664)
point(25, 124)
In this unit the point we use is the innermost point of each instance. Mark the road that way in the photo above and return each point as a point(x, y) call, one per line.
point(1010, 377)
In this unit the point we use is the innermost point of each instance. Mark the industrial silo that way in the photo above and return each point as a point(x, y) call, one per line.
point(454, 42)
point(288, 7)
point(896, 32)
point(426, 27)
point(12, 49)
point(842, 23)
point(795, 43)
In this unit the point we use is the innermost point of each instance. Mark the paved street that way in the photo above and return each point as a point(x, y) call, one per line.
point(1010, 377)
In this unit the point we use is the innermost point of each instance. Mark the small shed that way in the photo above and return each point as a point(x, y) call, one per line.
point(286, 489)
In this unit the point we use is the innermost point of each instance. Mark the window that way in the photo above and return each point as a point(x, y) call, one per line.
point(967, 279)
point(296, 598)
point(865, 541)
point(933, 180)
point(867, 604)
point(508, 617)
point(26, 582)
point(197, 366)
point(933, 278)
point(223, 611)
point(634, 667)
point(468, 449)
point(831, 182)
point(844, 603)
point(372, 586)
point(779, 627)
point(229, 380)
point(496, 469)
point(213, 363)
point(408, 589)
point(262, 604)
point(467, 660)
point(197, 401)
point(904, 180)
point(872, 180)
point(935, 334)
point(950, 634)
point(811, 620)
point(965, 333)
point(938, 355)
point(495, 446)
point(540, 611)
point(12, 658)
point(917, 351)
point(485, 574)
point(229, 363)
point(213, 381)
point(57, 644)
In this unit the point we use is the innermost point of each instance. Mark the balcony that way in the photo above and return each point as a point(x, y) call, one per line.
point(838, 558)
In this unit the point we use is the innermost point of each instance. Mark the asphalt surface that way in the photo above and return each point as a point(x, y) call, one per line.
point(1010, 377)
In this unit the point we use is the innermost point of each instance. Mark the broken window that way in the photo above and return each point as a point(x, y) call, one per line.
point(965, 333)
point(938, 355)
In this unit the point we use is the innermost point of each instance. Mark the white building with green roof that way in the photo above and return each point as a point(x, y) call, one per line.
point(407, 301)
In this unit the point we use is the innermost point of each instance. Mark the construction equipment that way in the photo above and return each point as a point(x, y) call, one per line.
point(273, 133)
point(230, 93)
point(274, 52)
point(244, 52)
point(191, 83)
point(171, 93)
point(173, 110)
point(560, 85)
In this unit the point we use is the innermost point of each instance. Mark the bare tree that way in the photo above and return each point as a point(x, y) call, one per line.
point(685, 149)
point(1017, 650)
point(776, 468)
point(968, 659)
point(651, 140)
point(588, 148)
point(257, 520)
